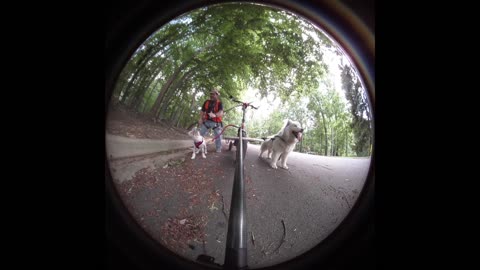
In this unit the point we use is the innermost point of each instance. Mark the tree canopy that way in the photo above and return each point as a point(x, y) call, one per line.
point(242, 46)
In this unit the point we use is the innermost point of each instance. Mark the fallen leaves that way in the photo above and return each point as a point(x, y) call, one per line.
point(135, 127)
point(173, 202)
point(174, 163)
point(179, 232)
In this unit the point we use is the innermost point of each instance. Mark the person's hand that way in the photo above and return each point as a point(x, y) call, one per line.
point(212, 115)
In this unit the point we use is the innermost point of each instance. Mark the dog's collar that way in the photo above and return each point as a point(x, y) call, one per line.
point(197, 144)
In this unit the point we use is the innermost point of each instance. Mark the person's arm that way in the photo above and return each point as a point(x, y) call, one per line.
point(220, 110)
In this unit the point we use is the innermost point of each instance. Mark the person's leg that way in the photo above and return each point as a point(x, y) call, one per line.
point(203, 129)
point(218, 141)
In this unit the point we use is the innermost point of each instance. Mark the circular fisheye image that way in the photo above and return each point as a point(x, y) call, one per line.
point(239, 129)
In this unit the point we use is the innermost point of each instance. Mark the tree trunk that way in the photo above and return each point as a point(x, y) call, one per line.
point(326, 135)
point(145, 104)
point(162, 112)
point(171, 91)
point(174, 114)
point(149, 77)
point(179, 116)
point(156, 107)
point(141, 64)
point(140, 67)
point(171, 98)
point(346, 143)
point(334, 145)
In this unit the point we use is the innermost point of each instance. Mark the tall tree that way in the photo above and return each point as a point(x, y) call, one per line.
point(359, 109)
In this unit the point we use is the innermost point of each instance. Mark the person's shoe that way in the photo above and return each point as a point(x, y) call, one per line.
point(219, 150)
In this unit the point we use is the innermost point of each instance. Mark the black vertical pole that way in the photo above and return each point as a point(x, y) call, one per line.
point(236, 251)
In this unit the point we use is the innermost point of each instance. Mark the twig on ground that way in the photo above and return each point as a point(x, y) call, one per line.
point(223, 208)
point(131, 188)
point(283, 237)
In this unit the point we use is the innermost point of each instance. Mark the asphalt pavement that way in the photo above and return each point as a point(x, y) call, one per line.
point(288, 211)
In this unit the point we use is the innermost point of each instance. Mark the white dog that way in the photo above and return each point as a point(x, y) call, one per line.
point(280, 145)
point(267, 145)
point(199, 143)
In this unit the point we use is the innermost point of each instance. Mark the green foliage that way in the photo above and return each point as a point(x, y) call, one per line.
point(361, 122)
point(240, 46)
